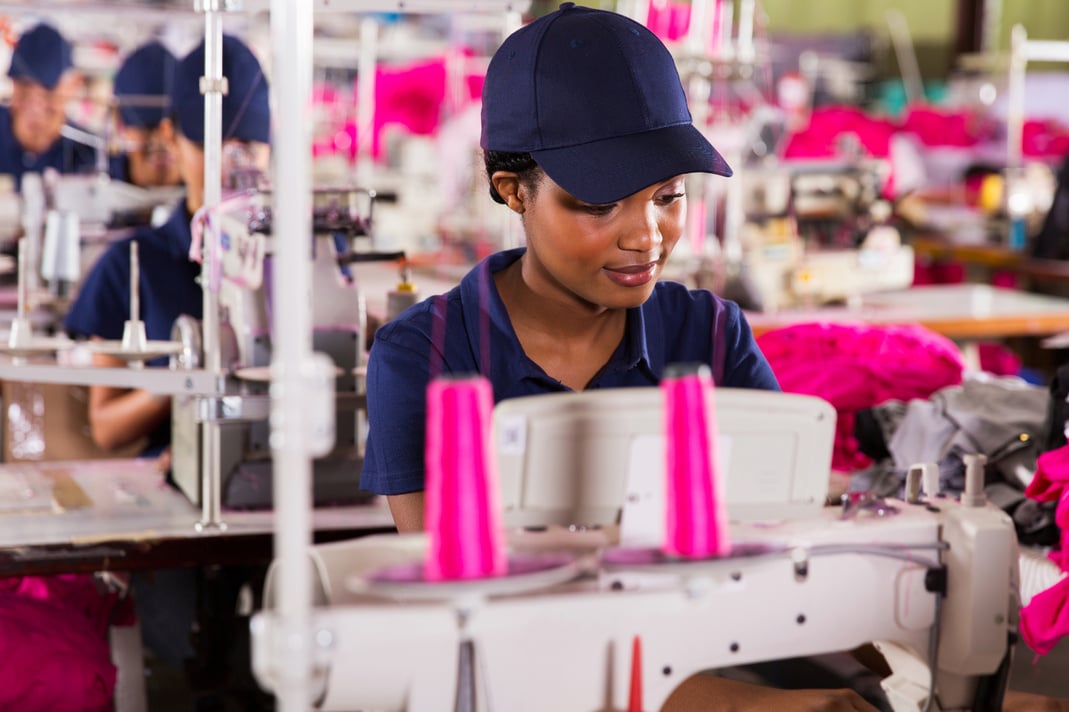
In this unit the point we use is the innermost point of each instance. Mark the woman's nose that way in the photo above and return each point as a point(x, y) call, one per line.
point(643, 231)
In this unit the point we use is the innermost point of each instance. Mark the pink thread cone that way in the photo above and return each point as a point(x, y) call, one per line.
point(465, 534)
point(696, 522)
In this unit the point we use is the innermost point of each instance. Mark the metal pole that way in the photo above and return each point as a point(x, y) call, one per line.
point(291, 30)
point(1015, 98)
point(213, 86)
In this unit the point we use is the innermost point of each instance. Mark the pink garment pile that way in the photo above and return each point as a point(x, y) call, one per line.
point(1045, 620)
point(829, 125)
point(940, 127)
point(856, 366)
point(54, 652)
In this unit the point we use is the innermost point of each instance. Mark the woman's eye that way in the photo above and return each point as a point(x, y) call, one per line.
point(598, 209)
point(669, 199)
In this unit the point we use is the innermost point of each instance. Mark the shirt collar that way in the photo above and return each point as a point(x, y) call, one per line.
point(484, 310)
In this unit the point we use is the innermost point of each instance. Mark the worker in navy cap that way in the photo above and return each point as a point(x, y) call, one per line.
point(168, 277)
point(43, 81)
point(143, 119)
point(169, 288)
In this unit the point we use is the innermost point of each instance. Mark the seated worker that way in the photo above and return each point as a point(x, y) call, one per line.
point(167, 600)
point(145, 130)
point(588, 138)
point(168, 284)
point(43, 82)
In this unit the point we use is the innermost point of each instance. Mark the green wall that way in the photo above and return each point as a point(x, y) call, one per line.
point(931, 22)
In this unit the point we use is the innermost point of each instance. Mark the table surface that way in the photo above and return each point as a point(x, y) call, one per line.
point(115, 514)
point(958, 311)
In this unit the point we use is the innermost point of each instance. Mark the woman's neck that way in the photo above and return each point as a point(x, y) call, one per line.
point(570, 341)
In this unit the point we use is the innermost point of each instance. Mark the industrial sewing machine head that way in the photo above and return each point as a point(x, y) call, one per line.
point(237, 240)
point(68, 220)
point(931, 579)
point(819, 232)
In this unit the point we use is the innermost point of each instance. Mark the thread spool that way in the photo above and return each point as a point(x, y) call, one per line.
point(397, 300)
point(696, 522)
point(462, 516)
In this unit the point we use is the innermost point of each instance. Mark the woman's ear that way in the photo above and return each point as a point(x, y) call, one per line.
point(507, 185)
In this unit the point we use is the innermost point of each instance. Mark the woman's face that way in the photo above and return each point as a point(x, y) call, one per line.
point(236, 155)
point(602, 256)
point(151, 155)
point(38, 114)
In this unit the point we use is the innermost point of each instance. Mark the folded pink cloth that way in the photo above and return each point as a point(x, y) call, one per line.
point(52, 658)
point(1045, 620)
point(855, 366)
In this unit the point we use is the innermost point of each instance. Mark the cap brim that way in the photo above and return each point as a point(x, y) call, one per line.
point(45, 78)
point(605, 171)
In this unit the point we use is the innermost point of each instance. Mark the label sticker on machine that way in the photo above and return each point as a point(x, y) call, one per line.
point(512, 435)
point(243, 258)
point(642, 519)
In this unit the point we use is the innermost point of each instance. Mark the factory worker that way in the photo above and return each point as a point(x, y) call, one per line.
point(43, 81)
point(167, 599)
point(169, 279)
point(588, 138)
point(145, 130)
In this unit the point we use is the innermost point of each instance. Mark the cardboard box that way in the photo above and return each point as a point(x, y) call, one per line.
point(49, 422)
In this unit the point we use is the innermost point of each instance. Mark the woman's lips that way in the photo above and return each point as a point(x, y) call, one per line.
point(632, 275)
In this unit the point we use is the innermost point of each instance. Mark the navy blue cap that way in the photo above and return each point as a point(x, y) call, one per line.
point(246, 105)
point(41, 56)
point(596, 99)
point(143, 85)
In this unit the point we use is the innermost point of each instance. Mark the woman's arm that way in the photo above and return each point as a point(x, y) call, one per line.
point(703, 692)
point(119, 416)
point(407, 511)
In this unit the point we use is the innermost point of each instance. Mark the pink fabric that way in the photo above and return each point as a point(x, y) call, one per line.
point(54, 652)
point(1050, 483)
point(855, 366)
point(938, 127)
point(1045, 620)
point(52, 658)
point(696, 522)
point(668, 19)
point(1044, 138)
point(828, 125)
point(75, 592)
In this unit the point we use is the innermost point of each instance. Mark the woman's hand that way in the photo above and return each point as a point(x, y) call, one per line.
point(1028, 702)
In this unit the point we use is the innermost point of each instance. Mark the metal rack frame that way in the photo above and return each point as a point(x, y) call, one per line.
point(292, 37)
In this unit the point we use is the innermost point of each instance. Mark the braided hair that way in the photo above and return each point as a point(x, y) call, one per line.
point(522, 164)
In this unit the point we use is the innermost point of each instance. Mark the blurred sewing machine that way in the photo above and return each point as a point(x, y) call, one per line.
point(818, 233)
point(68, 220)
point(931, 579)
point(239, 234)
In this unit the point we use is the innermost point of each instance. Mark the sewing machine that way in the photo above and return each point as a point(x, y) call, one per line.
point(239, 234)
point(932, 581)
point(69, 220)
point(818, 232)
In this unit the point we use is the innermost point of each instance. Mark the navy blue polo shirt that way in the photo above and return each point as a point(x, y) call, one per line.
point(675, 325)
point(65, 155)
point(168, 288)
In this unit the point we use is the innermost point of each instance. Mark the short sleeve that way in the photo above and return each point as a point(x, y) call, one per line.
point(397, 378)
point(102, 303)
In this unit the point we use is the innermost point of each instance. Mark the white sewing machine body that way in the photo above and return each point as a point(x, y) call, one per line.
point(934, 574)
point(820, 586)
point(775, 451)
point(786, 273)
